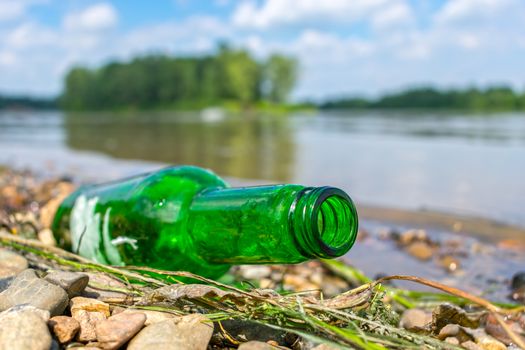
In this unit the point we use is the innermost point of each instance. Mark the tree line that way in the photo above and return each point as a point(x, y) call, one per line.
point(496, 98)
point(23, 102)
point(161, 81)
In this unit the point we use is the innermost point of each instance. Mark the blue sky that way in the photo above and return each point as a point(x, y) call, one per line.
point(344, 47)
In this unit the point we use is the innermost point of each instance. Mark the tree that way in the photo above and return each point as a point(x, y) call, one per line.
point(280, 77)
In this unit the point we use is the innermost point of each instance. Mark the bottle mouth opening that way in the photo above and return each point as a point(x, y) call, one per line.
point(331, 222)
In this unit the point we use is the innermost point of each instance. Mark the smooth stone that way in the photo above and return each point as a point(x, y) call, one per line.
point(87, 321)
point(420, 250)
point(97, 283)
point(64, 327)
point(518, 280)
point(256, 345)
point(118, 329)
point(470, 345)
point(44, 314)
point(415, 319)
point(450, 330)
point(23, 329)
point(325, 347)
point(11, 263)
point(27, 288)
point(191, 332)
point(72, 282)
point(88, 304)
point(151, 315)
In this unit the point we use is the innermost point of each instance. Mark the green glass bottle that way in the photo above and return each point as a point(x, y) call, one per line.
point(188, 219)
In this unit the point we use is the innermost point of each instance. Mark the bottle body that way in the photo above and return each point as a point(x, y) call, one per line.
point(187, 218)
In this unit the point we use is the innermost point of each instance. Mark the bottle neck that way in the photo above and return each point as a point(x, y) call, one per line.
point(272, 224)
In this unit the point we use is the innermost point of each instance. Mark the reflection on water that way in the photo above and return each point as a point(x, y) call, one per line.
point(467, 164)
point(257, 148)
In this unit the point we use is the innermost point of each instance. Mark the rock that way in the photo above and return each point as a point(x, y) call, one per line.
point(97, 283)
point(88, 304)
point(5, 282)
point(64, 327)
point(23, 329)
point(517, 286)
point(452, 340)
point(450, 330)
point(420, 250)
point(72, 282)
point(298, 283)
point(11, 263)
point(489, 343)
point(44, 314)
point(151, 315)
point(256, 345)
point(254, 272)
point(415, 319)
point(325, 347)
point(118, 329)
point(192, 332)
point(493, 328)
point(470, 345)
point(518, 280)
point(446, 313)
point(27, 288)
point(46, 236)
point(449, 263)
point(88, 312)
point(410, 236)
point(87, 321)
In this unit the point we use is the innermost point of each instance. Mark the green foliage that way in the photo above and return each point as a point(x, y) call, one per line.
point(159, 81)
point(281, 75)
point(19, 102)
point(497, 98)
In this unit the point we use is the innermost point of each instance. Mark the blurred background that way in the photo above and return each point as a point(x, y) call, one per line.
point(404, 104)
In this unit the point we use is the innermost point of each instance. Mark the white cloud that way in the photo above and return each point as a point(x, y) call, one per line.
point(393, 15)
point(15, 9)
point(463, 10)
point(282, 12)
point(96, 17)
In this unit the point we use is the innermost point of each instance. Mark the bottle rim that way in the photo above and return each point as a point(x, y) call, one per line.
point(324, 222)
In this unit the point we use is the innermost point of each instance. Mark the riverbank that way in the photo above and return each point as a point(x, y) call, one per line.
point(319, 302)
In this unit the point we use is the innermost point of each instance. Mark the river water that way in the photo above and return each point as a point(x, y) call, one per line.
point(463, 164)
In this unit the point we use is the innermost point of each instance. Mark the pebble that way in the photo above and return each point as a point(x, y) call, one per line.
point(415, 319)
point(46, 236)
point(449, 263)
point(87, 321)
point(118, 329)
point(493, 328)
point(489, 343)
point(11, 263)
point(27, 288)
point(420, 250)
point(518, 280)
point(64, 327)
point(256, 345)
point(88, 304)
point(72, 282)
point(88, 312)
point(325, 347)
point(21, 328)
point(191, 332)
point(151, 315)
point(452, 340)
point(97, 280)
point(449, 330)
point(470, 345)
point(255, 272)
